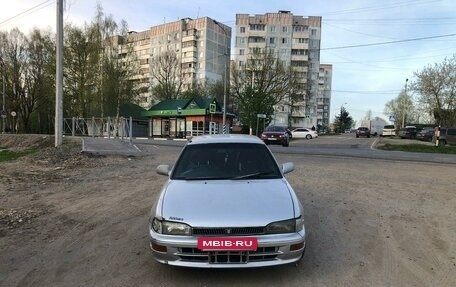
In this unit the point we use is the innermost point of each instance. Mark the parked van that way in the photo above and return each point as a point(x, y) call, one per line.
point(388, 131)
point(447, 136)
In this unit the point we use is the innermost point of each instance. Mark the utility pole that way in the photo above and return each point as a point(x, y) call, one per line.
point(224, 75)
point(59, 77)
point(3, 109)
point(403, 104)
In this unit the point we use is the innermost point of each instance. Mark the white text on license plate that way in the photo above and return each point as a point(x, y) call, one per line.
point(227, 243)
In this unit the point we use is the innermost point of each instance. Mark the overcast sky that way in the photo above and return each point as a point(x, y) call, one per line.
point(364, 78)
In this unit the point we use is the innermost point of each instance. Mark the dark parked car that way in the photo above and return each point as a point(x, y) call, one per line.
point(276, 135)
point(425, 135)
point(408, 133)
point(447, 136)
point(363, 132)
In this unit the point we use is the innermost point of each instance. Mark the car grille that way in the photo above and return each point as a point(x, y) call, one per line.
point(228, 257)
point(227, 231)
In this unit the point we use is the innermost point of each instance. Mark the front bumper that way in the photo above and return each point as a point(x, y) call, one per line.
point(273, 249)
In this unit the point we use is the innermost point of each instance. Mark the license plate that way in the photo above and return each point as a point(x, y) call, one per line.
point(272, 139)
point(227, 243)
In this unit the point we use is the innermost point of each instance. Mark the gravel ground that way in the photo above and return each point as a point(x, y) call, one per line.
point(69, 219)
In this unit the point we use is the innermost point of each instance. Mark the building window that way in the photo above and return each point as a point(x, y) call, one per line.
point(300, 40)
point(273, 28)
point(240, 40)
point(242, 30)
point(284, 40)
point(313, 32)
point(285, 29)
point(271, 40)
point(256, 27)
point(241, 52)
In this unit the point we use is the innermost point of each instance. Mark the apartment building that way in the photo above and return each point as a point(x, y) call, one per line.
point(202, 46)
point(296, 42)
point(324, 94)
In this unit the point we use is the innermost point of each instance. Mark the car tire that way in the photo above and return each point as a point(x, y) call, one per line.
point(308, 137)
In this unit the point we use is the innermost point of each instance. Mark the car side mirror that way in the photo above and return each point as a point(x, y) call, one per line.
point(163, 169)
point(287, 167)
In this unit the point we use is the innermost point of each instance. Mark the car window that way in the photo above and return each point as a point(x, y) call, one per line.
point(275, 129)
point(226, 161)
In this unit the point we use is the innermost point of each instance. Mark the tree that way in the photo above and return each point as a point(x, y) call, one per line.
point(166, 75)
point(14, 64)
point(260, 84)
point(343, 121)
point(41, 81)
point(436, 87)
point(97, 77)
point(402, 108)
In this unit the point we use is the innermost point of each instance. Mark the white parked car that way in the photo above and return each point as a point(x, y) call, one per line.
point(304, 133)
point(227, 204)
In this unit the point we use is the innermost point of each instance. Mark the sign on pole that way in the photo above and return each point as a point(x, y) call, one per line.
point(261, 116)
point(212, 108)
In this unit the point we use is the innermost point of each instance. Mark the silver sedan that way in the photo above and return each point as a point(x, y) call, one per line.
point(226, 204)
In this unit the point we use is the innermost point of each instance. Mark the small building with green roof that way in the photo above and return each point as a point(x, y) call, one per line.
point(183, 118)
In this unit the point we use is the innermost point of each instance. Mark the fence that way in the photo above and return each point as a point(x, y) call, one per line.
point(99, 127)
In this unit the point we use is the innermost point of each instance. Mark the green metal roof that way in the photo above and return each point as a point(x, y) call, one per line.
point(188, 107)
point(132, 110)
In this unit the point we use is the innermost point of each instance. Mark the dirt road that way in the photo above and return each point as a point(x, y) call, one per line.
point(68, 219)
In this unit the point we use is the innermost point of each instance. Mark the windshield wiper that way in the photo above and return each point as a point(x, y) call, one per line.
point(252, 175)
point(204, 178)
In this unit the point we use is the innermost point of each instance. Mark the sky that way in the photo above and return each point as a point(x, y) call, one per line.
point(374, 46)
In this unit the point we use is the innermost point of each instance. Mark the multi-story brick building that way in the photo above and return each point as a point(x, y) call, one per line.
point(296, 42)
point(202, 45)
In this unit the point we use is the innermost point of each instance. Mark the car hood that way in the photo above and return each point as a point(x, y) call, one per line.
point(227, 203)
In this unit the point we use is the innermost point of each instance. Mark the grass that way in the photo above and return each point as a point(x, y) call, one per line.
point(7, 155)
point(419, 148)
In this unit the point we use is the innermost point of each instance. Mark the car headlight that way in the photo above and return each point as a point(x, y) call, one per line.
point(170, 227)
point(285, 226)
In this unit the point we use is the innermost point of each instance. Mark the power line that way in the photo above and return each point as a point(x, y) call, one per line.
point(384, 92)
point(389, 42)
point(379, 7)
point(393, 21)
point(28, 11)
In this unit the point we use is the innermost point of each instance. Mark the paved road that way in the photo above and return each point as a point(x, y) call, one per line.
point(346, 145)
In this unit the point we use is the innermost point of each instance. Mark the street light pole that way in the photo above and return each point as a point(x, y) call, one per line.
point(403, 103)
point(224, 76)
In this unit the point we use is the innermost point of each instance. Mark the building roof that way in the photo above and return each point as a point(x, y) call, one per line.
point(194, 106)
point(195, 103)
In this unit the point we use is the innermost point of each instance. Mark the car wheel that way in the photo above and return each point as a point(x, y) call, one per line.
point(308, 137)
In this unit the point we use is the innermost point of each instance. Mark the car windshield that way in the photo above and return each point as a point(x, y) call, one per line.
point(226, 161)
point(275, 129)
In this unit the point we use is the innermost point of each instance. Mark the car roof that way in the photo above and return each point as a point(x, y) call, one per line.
point(227, 138)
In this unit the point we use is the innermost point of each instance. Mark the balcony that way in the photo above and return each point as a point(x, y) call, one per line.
point(299, 58)
point(189, 38)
